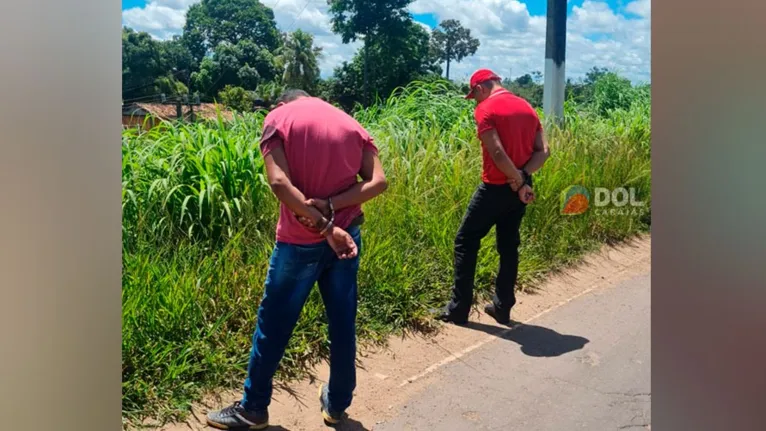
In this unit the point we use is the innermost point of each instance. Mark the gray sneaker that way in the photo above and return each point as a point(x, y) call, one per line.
point(330, 418)
point(236, 417)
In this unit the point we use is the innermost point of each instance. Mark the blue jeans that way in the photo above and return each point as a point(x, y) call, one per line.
point(293, 271)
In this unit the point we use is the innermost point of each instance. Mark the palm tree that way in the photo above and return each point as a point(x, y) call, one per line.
point(268, 92)
point(299, 58)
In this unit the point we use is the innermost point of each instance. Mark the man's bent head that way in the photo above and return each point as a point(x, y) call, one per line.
point(290, 96)
point(483, 82)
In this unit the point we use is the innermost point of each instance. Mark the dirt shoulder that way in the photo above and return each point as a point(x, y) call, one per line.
point(389, 376)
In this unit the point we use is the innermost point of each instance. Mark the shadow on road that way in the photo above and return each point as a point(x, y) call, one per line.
point(534, 340)
point(348, 424)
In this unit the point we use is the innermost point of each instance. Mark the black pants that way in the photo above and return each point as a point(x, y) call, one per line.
point(491, 205)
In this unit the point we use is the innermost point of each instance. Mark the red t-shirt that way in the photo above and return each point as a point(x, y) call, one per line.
point(517, 125)
point(323, 146)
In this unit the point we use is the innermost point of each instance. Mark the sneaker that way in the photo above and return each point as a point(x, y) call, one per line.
point(330, 418)
point(236, 417)
point(501, 318)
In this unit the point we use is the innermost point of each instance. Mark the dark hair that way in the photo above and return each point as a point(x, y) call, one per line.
point(291, 95)
point(489, 83)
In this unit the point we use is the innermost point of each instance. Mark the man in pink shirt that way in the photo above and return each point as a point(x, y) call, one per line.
point(313, 153)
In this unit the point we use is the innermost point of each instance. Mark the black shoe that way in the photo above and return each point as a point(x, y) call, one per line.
point(501, 318)
point(236, 417)
point(447, 317)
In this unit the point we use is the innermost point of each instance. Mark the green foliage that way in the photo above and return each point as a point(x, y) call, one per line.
point(248, 76)
point(299, 59)
point(600, 93)
point(595, 74)
point(199, 219)
point(325, 88)
point(211, 22)
point(191, 182)
point(269, 92)
point(232, 42)
point(170, 87)
point(150, 68)
point(236, 98)
point(612, 92)
point(177, 59)
point(141, 63)
point(527, 87)
point(352, 19)
point(393, 61)
point(243, 65)
point(451, 41)
point(378, 22)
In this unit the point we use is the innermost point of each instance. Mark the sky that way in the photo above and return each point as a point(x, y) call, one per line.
point(615, 34)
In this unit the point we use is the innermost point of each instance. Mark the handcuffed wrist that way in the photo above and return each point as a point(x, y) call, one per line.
point(327, 229)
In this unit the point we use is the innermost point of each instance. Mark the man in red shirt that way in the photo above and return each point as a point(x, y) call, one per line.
point(513, 147)
point(313, 153)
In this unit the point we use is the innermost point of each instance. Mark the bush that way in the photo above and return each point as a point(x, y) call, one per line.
point(236, 98)
point(612, 92)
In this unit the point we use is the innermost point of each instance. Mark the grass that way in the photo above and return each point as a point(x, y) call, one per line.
point(198, 229)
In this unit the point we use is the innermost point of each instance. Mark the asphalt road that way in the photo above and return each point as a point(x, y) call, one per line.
point(583, 366)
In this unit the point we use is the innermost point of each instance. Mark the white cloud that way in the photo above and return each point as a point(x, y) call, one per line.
point(160, 18)
point(593, 17)
point(313, 16)
point(426, 27)
point(176, 4)
point(596, 36)
point(483, 16)
point(512, 41)
point(642, 8)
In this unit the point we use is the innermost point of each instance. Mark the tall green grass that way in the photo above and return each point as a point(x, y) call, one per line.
point(198, 229)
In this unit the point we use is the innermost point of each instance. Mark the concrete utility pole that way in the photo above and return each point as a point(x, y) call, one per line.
point(555, 42)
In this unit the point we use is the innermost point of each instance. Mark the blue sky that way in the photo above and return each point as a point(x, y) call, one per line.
point(127, 4)
point(536, 7)
point(603, 33)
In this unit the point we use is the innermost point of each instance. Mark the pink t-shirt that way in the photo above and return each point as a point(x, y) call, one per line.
point(323, 146)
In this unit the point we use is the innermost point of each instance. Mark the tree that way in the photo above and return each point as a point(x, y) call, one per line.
point(249, 76)
point(242, 65)
point(397, 59)
point(524, 80)
point(368, 19)
point(610, 92)
point(453, 42)
point(169, 86)
point(236, 98)
point(577, 92)
point(211, 22)
point(259, 58)
point(526, 87)
point(151, 68)
point(141, 63)
point(298, 57)
point(595, 74)
point(325, 89)
point(177, 59)
point(268, 92)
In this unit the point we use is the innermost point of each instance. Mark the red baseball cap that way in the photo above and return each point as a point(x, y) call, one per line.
point(478, 77)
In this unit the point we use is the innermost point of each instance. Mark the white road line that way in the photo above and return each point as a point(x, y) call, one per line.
point(455, 356)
